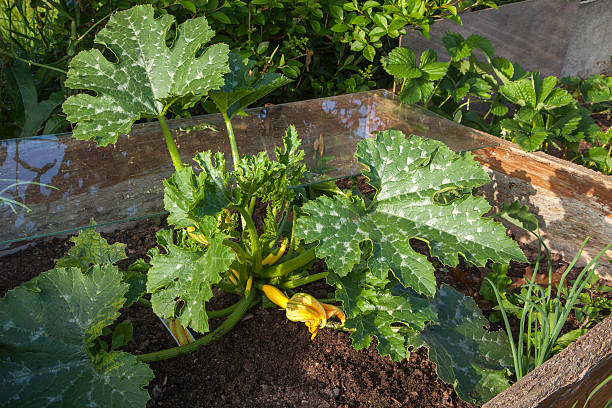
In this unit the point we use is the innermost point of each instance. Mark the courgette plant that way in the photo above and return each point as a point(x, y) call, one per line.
point(51, 348)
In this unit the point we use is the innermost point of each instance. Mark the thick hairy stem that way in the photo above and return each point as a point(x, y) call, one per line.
point(174, 154)
point(244, 258)
point(303, 281)
point(215, 314)
point(241, 307)
point(289, 266)
point(144, 301)
point(232, 139)
point(255, 244)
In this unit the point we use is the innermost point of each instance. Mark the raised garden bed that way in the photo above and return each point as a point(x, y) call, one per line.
point(267, 361)
point(404, 249)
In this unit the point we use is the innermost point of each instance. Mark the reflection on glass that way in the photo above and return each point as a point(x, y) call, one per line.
point(124, 182)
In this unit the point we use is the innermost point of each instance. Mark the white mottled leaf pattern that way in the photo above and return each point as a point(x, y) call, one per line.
point(147, 73)
point(409, 175)
point(47, 326)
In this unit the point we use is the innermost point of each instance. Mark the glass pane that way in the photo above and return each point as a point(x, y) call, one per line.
point(124, 182)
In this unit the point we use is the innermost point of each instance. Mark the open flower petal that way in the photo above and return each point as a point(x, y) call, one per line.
point(303, 307)
point(331, 311)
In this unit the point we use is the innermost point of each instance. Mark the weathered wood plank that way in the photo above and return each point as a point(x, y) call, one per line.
point(554, 37)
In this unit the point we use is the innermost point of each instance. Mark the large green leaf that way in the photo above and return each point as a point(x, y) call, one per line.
point(414, 179)
point(181, 281)
point(48, 325)
point(242, 87)
point(474, 360)
point(146, 76)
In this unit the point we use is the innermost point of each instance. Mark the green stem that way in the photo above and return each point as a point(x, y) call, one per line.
point(241, 307)
point(237, 250)
point(78, 40)
point(432, 93)
point(468, 104)
point(215, 314)
point(303, 281)
point(252, 205)
point(232, 139)
point(255, 245)
point(292, 239)
point(289, 266)
point(444, 101)
point(281, 226)
point(172, 149)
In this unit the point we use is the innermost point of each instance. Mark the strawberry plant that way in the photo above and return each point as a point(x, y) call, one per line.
point(495, 95)
point(424, 191)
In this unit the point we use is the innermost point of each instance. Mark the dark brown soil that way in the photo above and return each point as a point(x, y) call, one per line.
point(266, 361)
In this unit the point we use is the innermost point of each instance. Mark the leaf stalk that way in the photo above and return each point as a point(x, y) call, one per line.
point(303, 281)
point(289, 266)
point(172, 149)
point(232, 139)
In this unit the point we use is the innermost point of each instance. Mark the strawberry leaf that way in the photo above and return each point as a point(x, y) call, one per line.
point(147, 76)
point(536, 93)
point(401, 63)
point(419, 80)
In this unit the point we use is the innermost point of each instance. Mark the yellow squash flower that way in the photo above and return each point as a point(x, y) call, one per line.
point(303, 307)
